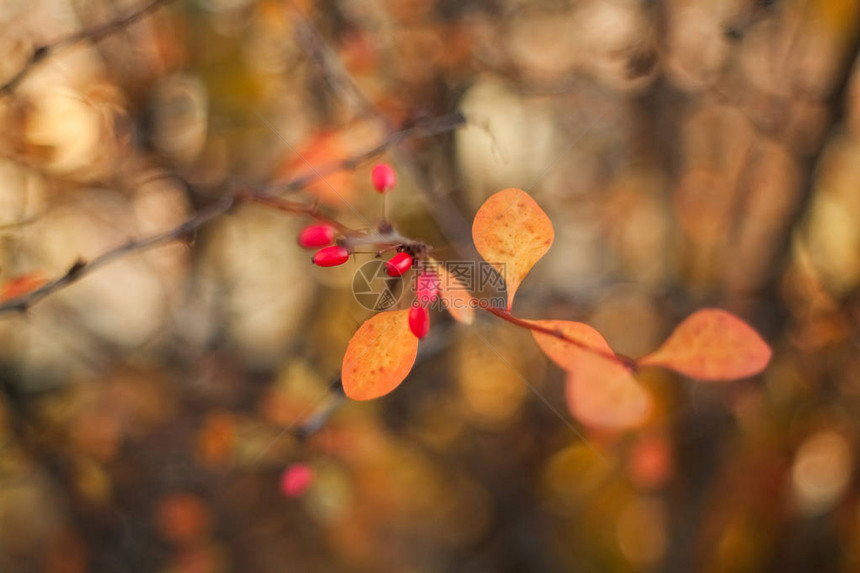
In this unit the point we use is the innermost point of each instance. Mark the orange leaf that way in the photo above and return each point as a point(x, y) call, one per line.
point(600, 393)
point(456, 297)
point(320, 152)
point(512, 233)
point(379, 356)
point(712, 344)
point(603, 394)
point(19, 286)
point(564, 353)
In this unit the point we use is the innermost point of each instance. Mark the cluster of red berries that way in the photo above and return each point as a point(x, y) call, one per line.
point(322, 236)
point(315, 236)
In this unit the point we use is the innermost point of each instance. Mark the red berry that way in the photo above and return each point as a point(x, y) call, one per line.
point(419, 321)
point(296, 480)
point(426, 287)
point(398, 264)
point(331, 256)
point(383, 177)
point(316, 236)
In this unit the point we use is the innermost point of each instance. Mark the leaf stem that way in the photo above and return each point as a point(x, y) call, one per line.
point(625, 361)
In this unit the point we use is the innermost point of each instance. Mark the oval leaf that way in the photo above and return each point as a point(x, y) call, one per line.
point(512, 233)
point(603, 394)
point(454, 295)
point(600, 393)
point(564, 353)
point(379, 356)
point(713, 345)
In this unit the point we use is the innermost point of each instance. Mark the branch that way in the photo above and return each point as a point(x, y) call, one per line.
point(81, 268)
point(220, 207)
point(294, 207)
point(442, 124)
point(94, 34)
point(624, 361)
point(445, 213)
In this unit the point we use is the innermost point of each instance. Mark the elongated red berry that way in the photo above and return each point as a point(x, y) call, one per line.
point(419, 321)
point(296, 479)
point(383, 177)
point(398, 264)
point(316, 236)
point(426, 287)
point(331, 256)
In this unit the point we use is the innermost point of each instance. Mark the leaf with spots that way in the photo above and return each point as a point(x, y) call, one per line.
point(512, 233)
point(379, 356)
point(712, 345)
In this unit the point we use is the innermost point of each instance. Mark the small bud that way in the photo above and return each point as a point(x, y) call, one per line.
point(426, 287)
point(419, 321)
point(296, 480)
point(316, 236)
point(331, 256)
point(383, 178)
point(398, 264)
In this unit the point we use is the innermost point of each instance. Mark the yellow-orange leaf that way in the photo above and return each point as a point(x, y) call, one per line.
point(379, 356)
point(565, 353)
point(454, 295)
point(712, 344)
point(512, 233)
point(603, 394)
point(21, 285)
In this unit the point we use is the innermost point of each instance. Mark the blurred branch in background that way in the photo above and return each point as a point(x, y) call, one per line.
point(87, 35)
point(186, 230)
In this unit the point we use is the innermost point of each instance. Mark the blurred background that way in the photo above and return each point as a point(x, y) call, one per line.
point(690, 153)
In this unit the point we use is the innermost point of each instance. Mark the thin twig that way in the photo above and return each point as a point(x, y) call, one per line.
point(81, 268)
point(294, 207)
point(92, 35)
point(442, 124)
point(220, 207)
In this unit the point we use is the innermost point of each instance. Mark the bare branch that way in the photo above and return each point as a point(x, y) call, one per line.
point(81, 268)
point(93, 35)
point(267, 197)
